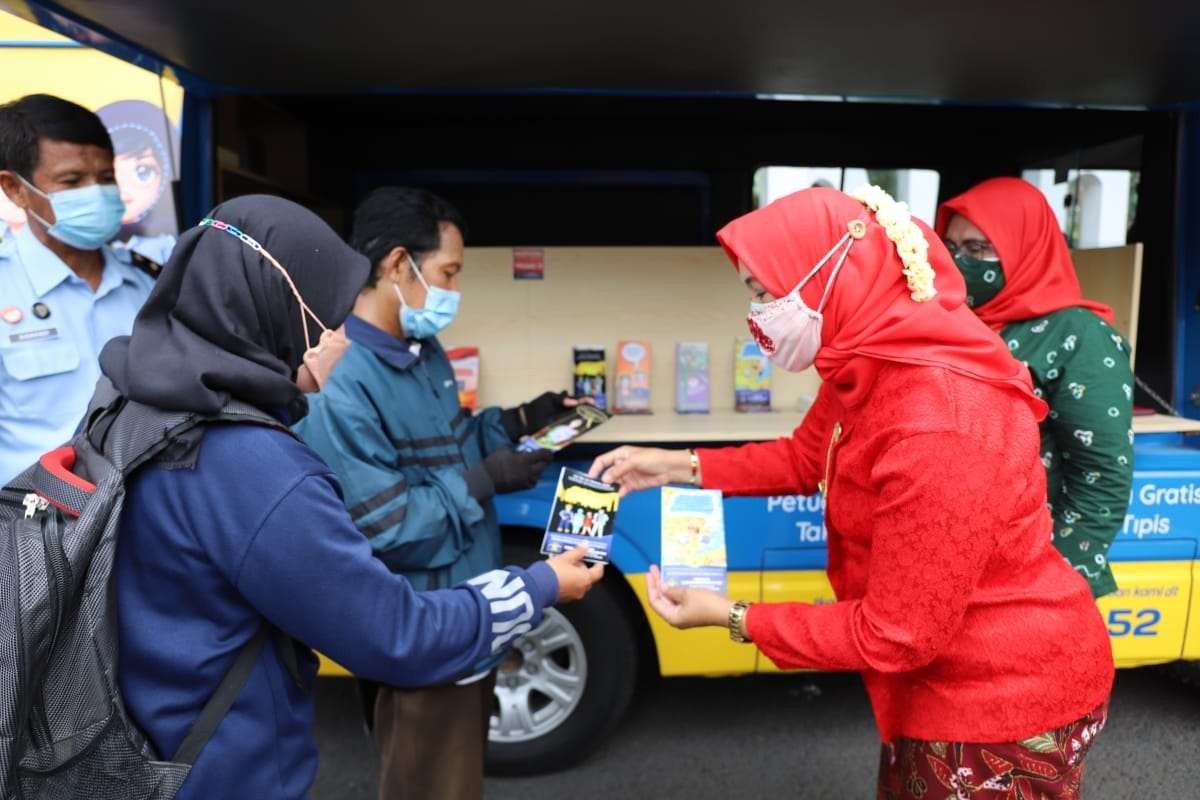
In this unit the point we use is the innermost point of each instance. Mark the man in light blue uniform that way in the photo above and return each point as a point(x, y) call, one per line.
point(64, 292)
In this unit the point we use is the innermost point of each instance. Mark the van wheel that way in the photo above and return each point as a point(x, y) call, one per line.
point(564, 686)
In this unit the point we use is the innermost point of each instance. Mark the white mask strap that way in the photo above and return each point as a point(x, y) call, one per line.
point(254, 245)
point(845, 241)
point(836, 268)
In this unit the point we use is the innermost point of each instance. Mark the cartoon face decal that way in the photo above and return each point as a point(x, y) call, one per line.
point(140, 176)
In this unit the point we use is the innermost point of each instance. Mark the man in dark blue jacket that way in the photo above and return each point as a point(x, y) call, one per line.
point(419, 471)
point(243, 524)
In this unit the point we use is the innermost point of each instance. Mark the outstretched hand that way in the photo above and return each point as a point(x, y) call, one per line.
point(638, 468)
point(575, 577)
point(687, 608)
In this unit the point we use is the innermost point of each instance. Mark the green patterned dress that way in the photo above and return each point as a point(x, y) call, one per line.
point(1080, 367)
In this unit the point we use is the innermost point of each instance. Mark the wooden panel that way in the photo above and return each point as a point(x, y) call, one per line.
point(1163, 423)
point(1113, 275)
point(525, 329)
point(730, 426)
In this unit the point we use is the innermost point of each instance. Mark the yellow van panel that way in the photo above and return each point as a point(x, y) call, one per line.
point(1191, 645)
point(782, 586)
point(1147, 616)
point(701, 651)
point(331, 669)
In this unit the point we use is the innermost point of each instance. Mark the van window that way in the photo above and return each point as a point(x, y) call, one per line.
point(1095, 207)
point(917, 187)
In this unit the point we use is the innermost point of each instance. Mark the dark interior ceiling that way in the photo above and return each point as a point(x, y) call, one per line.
point(1102, 52)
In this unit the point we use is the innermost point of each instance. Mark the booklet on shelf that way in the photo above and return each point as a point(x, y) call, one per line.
point(564, 429)
point(693, 538)
point(584, 512)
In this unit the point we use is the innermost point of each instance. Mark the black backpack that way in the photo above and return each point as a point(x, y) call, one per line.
point(64, 730)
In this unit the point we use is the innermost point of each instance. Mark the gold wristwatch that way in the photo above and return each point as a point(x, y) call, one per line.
point(737, 621)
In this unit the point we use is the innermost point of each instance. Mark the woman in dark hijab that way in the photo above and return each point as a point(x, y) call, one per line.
point(222, 321)
point(249, 527)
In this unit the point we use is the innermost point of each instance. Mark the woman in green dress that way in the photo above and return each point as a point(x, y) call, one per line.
point(1020, 280)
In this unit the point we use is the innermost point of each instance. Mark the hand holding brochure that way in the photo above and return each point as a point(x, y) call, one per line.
point(584, 512)
point(693, 538)
point(575, 422)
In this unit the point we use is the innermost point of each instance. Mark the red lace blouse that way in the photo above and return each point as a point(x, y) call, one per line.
point(965, 622)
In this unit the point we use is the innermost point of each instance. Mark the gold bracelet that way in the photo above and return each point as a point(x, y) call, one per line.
point(695, 480)
point(737, 622)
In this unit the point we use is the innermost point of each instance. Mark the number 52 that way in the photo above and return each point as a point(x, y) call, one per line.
point(1121, 622)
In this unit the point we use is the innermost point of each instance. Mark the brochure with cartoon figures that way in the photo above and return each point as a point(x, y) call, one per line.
point(564, 429)
point(693, 538)
point(751, 377)
point(590, 370)
point(584, 512)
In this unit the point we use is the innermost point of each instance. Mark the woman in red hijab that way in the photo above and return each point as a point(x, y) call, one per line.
point(986, 661)
point(1020, 280)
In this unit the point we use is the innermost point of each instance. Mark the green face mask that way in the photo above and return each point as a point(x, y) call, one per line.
point(984, 278)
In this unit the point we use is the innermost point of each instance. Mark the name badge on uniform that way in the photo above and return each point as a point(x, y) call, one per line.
point(33, 336)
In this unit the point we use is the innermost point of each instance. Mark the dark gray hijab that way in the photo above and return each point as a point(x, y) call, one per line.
point(221, 321)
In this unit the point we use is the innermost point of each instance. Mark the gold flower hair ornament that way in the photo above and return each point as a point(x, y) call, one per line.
point(905, 235)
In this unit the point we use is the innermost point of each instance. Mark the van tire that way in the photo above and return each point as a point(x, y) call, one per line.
point(609, 644)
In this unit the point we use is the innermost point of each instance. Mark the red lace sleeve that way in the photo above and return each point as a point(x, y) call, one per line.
point(790, 465)
point(939, 511)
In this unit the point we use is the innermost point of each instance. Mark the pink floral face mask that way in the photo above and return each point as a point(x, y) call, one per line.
point(787, 330)
point(318, 361)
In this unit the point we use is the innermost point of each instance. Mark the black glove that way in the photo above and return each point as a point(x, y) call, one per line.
point(511, 471)
point(531, 417)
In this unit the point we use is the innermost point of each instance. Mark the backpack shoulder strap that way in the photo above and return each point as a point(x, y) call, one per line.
point(222, 699)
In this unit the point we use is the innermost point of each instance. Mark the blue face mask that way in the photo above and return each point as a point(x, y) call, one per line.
point(86, 218)
point(441, 307)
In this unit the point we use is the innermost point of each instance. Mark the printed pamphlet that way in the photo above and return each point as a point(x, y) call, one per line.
point(691, 377)
point(693, 538)
point(632, 377)
point(751, 377)
point(568, 427)
point(591, 369)
point(584, 512)
point(465, 361)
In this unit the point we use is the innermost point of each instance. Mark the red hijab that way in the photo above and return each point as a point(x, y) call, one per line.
point(869, 311)
point(1039, 277)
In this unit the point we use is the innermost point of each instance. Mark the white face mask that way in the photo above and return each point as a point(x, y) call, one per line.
point(787, 330)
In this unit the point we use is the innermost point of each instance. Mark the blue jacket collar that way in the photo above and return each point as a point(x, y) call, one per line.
point(396, 352)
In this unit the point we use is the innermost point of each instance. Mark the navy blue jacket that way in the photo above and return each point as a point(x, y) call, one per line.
point(258, 529)
point(389, 423)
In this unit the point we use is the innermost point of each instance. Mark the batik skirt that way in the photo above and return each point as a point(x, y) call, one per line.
point(1044, 767)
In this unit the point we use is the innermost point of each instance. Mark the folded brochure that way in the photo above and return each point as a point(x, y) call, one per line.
point(693, 538)
point(584, 512)
point(564, 429)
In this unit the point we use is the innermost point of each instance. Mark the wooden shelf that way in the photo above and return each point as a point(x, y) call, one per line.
point(726, 425)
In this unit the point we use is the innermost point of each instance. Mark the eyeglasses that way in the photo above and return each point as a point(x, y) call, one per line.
point(976, 248)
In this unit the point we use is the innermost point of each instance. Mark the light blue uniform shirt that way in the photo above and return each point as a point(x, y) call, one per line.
point(49, 367)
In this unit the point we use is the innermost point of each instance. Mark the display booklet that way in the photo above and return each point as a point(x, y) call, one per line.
point(693, 538)
point(590, 370)
point(691, 377)
point(563, 430)
point(632, 378)
point(584, 512)
point(751, 377)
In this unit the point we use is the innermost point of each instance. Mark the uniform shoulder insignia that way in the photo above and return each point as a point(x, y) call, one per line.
point(146, 265)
